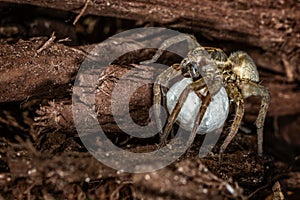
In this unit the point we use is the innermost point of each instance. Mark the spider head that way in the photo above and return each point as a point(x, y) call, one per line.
point(192, 65)
point(190, 69)
point(243, 66)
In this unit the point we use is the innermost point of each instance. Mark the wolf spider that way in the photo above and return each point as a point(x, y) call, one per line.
point(210, 68)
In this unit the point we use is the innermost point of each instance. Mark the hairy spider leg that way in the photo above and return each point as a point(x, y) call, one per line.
point(191, 41)
point(163, 80)
point(196, 87)
point(254, 89)
point(234, 94)
point(174, 114)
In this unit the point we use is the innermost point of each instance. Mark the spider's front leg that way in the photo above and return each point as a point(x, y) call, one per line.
point(191, 42)
point(254, 89)
point(196, 87)
point(163, 80)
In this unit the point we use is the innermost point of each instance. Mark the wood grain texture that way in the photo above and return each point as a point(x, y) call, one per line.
point(272, 26)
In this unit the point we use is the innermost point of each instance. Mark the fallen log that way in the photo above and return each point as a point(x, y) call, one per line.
point(26, 75)
point(271, 26)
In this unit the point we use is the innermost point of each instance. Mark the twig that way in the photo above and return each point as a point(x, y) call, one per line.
point(87, 55)
point(47, 43)
point(67, 39)
point(256, 191)
point(288, 68)
point(115, 194)
point(81, 12)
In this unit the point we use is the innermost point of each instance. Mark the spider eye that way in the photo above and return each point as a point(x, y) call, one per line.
point(193, 70)
point(190, 68)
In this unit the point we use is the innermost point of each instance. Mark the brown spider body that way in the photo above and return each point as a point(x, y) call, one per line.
point(210, 68)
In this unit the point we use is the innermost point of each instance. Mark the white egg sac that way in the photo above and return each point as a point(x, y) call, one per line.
point(214, 117)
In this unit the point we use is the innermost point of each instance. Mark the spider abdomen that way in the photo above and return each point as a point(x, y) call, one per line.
point(244, 66)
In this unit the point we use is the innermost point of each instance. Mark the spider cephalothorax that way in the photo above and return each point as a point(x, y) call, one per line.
point(210, 69)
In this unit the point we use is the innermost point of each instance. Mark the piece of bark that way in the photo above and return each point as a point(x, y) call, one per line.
point(26, 74)
point(58, 114)
point(204, 16)
point(186, 180)
point(272, 26)
point(56, 175)
point(51, 73)
point(292, 181)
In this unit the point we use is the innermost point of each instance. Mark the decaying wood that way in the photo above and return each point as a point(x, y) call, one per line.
point(188, 174)
point(275, 30)
point(292, 180)
point(33, 70)
point(26, 75)
point(58, 114)
point(192, 178)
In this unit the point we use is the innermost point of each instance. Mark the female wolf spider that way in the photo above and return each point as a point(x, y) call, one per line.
point(211, 69)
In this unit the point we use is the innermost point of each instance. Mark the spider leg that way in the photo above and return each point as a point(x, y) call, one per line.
point(162, 80)
point(254, 89)
point(239, 113)
point(174, 114)
point(205, 103)
point(191, 41)
point(195, 86)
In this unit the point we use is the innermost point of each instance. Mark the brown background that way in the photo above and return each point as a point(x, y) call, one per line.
point(41, 153)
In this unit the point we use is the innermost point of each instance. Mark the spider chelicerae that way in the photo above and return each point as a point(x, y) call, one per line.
point(210, 69)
